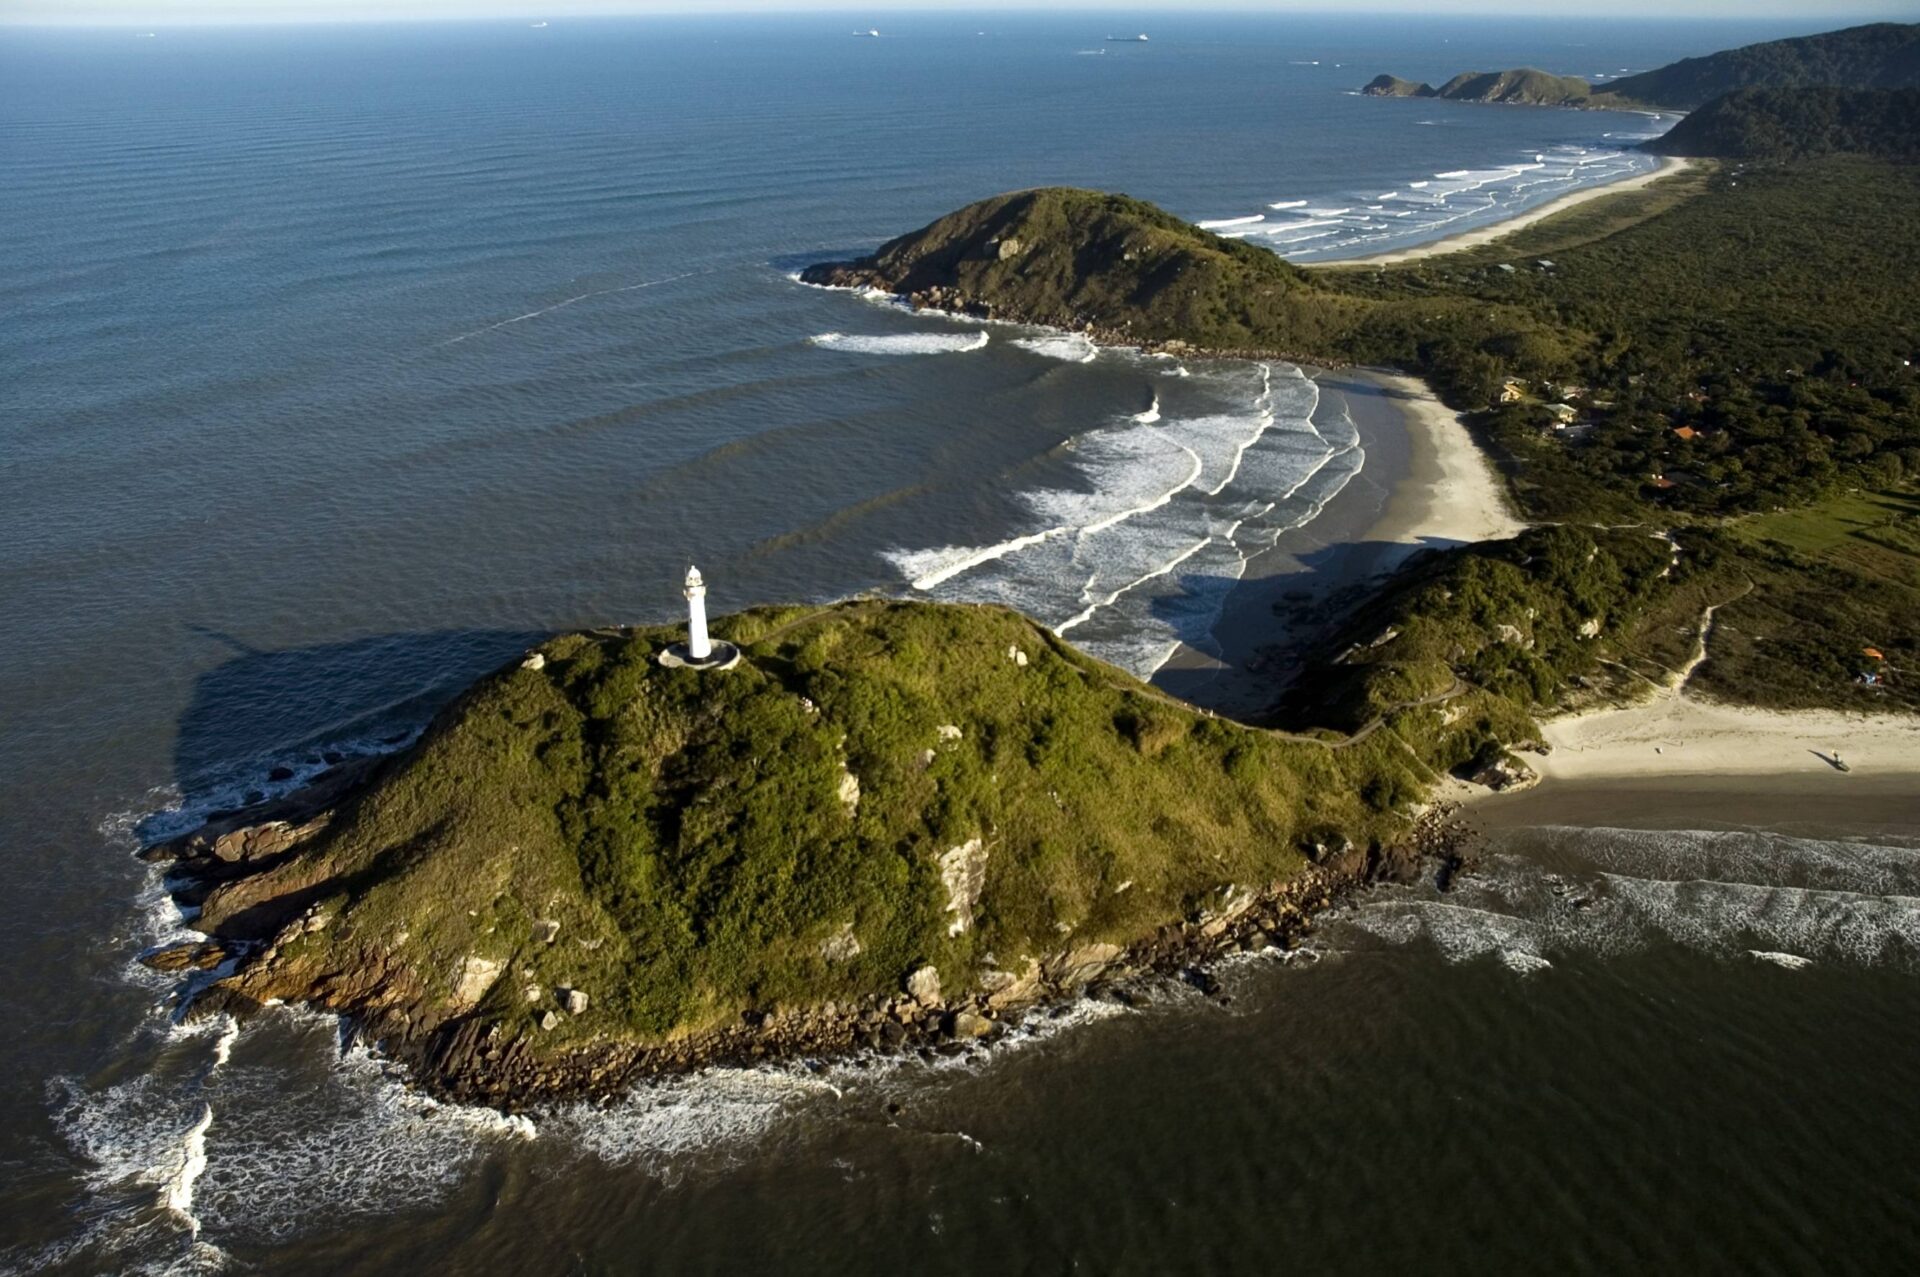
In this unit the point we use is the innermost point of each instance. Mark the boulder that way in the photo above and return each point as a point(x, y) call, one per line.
point(1079, 965)
point(1505, 773)
point(574, 1000)
point(970, 1024)
point(472, 978)
point(924, 986)
point(545, 930)
point(963, 870)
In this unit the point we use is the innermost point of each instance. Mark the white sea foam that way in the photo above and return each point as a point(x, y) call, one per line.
point(1138, 555)
point(177, 1174)
point(1072, 347)
point(1285, 204)
point(902, 343)
point(1759, 897)
point(1221, 222)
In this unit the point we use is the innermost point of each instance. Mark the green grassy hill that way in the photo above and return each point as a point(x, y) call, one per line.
point(1089, 260)
point(877, 787)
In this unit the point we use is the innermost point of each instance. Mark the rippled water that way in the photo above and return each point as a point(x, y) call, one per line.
point(339, 365)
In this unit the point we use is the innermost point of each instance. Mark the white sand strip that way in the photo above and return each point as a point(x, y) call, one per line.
point(1451, 494)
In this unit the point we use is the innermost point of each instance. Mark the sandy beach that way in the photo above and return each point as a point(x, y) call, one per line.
point(1426, 484)
point(1675, 762)
point(1676, 735)
point(1451, 494)
point(1669, 165)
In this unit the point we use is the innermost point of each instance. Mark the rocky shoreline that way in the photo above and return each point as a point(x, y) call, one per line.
point(946, 300)
point(464, 1059)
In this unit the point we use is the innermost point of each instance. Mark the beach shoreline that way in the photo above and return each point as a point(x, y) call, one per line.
point(1425, 485)
point(1479, 235)
point(1676, 762)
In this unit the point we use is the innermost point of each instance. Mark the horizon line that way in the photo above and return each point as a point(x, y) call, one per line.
point(1140, 7)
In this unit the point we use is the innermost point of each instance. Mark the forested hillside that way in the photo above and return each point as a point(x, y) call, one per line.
point(1777, 124)
point(1883, 55)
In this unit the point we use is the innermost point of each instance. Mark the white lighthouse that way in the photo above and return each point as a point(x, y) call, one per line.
point(699, 652)
point(697, 645)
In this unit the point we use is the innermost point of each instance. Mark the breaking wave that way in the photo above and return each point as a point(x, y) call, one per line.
point(1136, 551)
point(1432, 206)
point(1072, 347)
point(1748, 896)
point(902, 343)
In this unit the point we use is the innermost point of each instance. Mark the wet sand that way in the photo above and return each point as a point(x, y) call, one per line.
point(1835, 804)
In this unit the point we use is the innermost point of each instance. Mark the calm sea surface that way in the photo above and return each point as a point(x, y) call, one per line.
point(336, 365)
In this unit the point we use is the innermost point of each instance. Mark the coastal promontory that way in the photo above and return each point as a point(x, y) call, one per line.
point(890, 822)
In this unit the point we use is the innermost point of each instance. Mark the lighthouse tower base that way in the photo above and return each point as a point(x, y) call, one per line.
point(724, 656)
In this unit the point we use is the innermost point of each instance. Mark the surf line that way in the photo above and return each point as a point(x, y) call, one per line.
point(548, 310)
point(992, 552)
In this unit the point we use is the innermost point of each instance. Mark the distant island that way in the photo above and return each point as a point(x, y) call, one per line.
point(1882, 55)
point(1524, 86)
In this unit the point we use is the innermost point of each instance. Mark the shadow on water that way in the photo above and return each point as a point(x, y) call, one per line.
point(267, 717)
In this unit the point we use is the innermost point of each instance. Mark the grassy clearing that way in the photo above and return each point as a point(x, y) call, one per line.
point(1831, 581)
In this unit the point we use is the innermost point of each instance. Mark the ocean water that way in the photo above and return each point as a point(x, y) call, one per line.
point(338, 365)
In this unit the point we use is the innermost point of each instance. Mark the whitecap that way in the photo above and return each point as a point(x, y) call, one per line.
point(902, 343)
point(1074, 348)
point(1222, 222)
point(1791, 961)
point(177, 1174)
point(1285, 204)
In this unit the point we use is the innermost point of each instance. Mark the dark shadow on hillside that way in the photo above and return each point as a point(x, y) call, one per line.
point(266, 720)
point(1270, 629)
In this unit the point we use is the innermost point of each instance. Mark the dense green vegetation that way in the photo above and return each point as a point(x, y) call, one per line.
point(697, 840)
point(1833, 615)
point(1079, 259)
point(1519, 623)
point(1883, 55)
point(1750, 348)
point(1787, 124)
